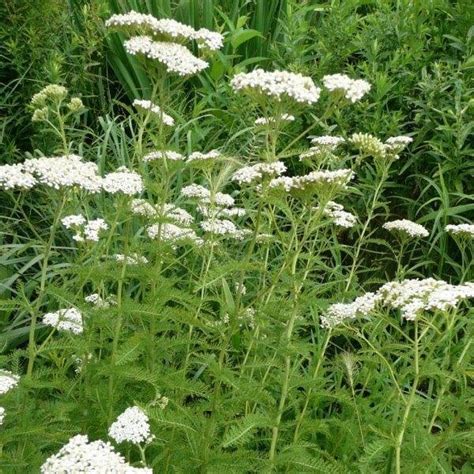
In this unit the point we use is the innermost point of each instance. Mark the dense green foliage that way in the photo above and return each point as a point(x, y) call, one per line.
point(254, 382)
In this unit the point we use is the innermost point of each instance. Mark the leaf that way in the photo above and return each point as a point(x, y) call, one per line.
point(242, 36)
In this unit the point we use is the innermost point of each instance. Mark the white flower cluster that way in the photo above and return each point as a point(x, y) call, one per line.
point(175, 57)
point(412, 297)
point(69, 320)
point(148, 106)
point(80, 456)
point(85, 231)
point(168, 27)
point(353, 89)
point(133, 259)
point(64, 171)
point(277, 85)
point(248, 174)
point(100, 302)
point(315, 179)
point(225, 228)
point(272, 120)
point(322, 145)
point(8, 380)
point(202, 194)
point(177, 214)
point(173, 234)
point(132, 425)
point(123, 181)
point(15, 176)
point(397, 144)
point(462, 230)
point(141, 207)
point(340, 217)
point(221, 212)
point(406, 228)
point(163, 155)
point(198, 156)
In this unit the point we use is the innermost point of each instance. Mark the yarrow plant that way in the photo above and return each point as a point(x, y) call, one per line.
point(262, 293)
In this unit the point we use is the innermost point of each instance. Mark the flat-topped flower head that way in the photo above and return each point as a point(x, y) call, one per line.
point(81, 456)
point(99, 302)
point(352, 89)
point(8, 380)
point(406, 228)
point(204, 196)
point(165, 28)
point(205, 160)
point(50, 93)
point(64, 172)
point(175, 58)
point(67, 320)
point(132, 259)
point(85, 230)
point(277, 85)
point(397, 144)
point(140, 207)
point(147, 106)
point(15, 177)
point(338, 215)
point(250, 174)
point(412, 297)
point(322, 146)
point(123, 181)
point(163, 155)
point(224, 228)
point(275, 120)
point(324, 183)
point(173, 234)
point(132, 425)
point(461, 230)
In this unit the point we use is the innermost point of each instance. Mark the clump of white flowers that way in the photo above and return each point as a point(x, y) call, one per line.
point(173, 234)
point(81, 456)
point(321, 146)
point(163, 155)
point(166, 27)
point(141, 207)
point(123, 181)
point(203, 195)
point(325, 181)
point(352, 89)
point(148, 106)
point(99, 302)
point(461, 230)
point(15, 176)
point(198, 156)
point(132, 425)
point(133, 259)
point(249, 174)
point(338, 215)
point(406, 228)
point(224, 228)
point(278, 85)
point(68, 320)
point(65, 171)
point(397, 144)
point(273, 120)
point(175, 57)
point(85, 230)
point(8, 380)
point(412, 297)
